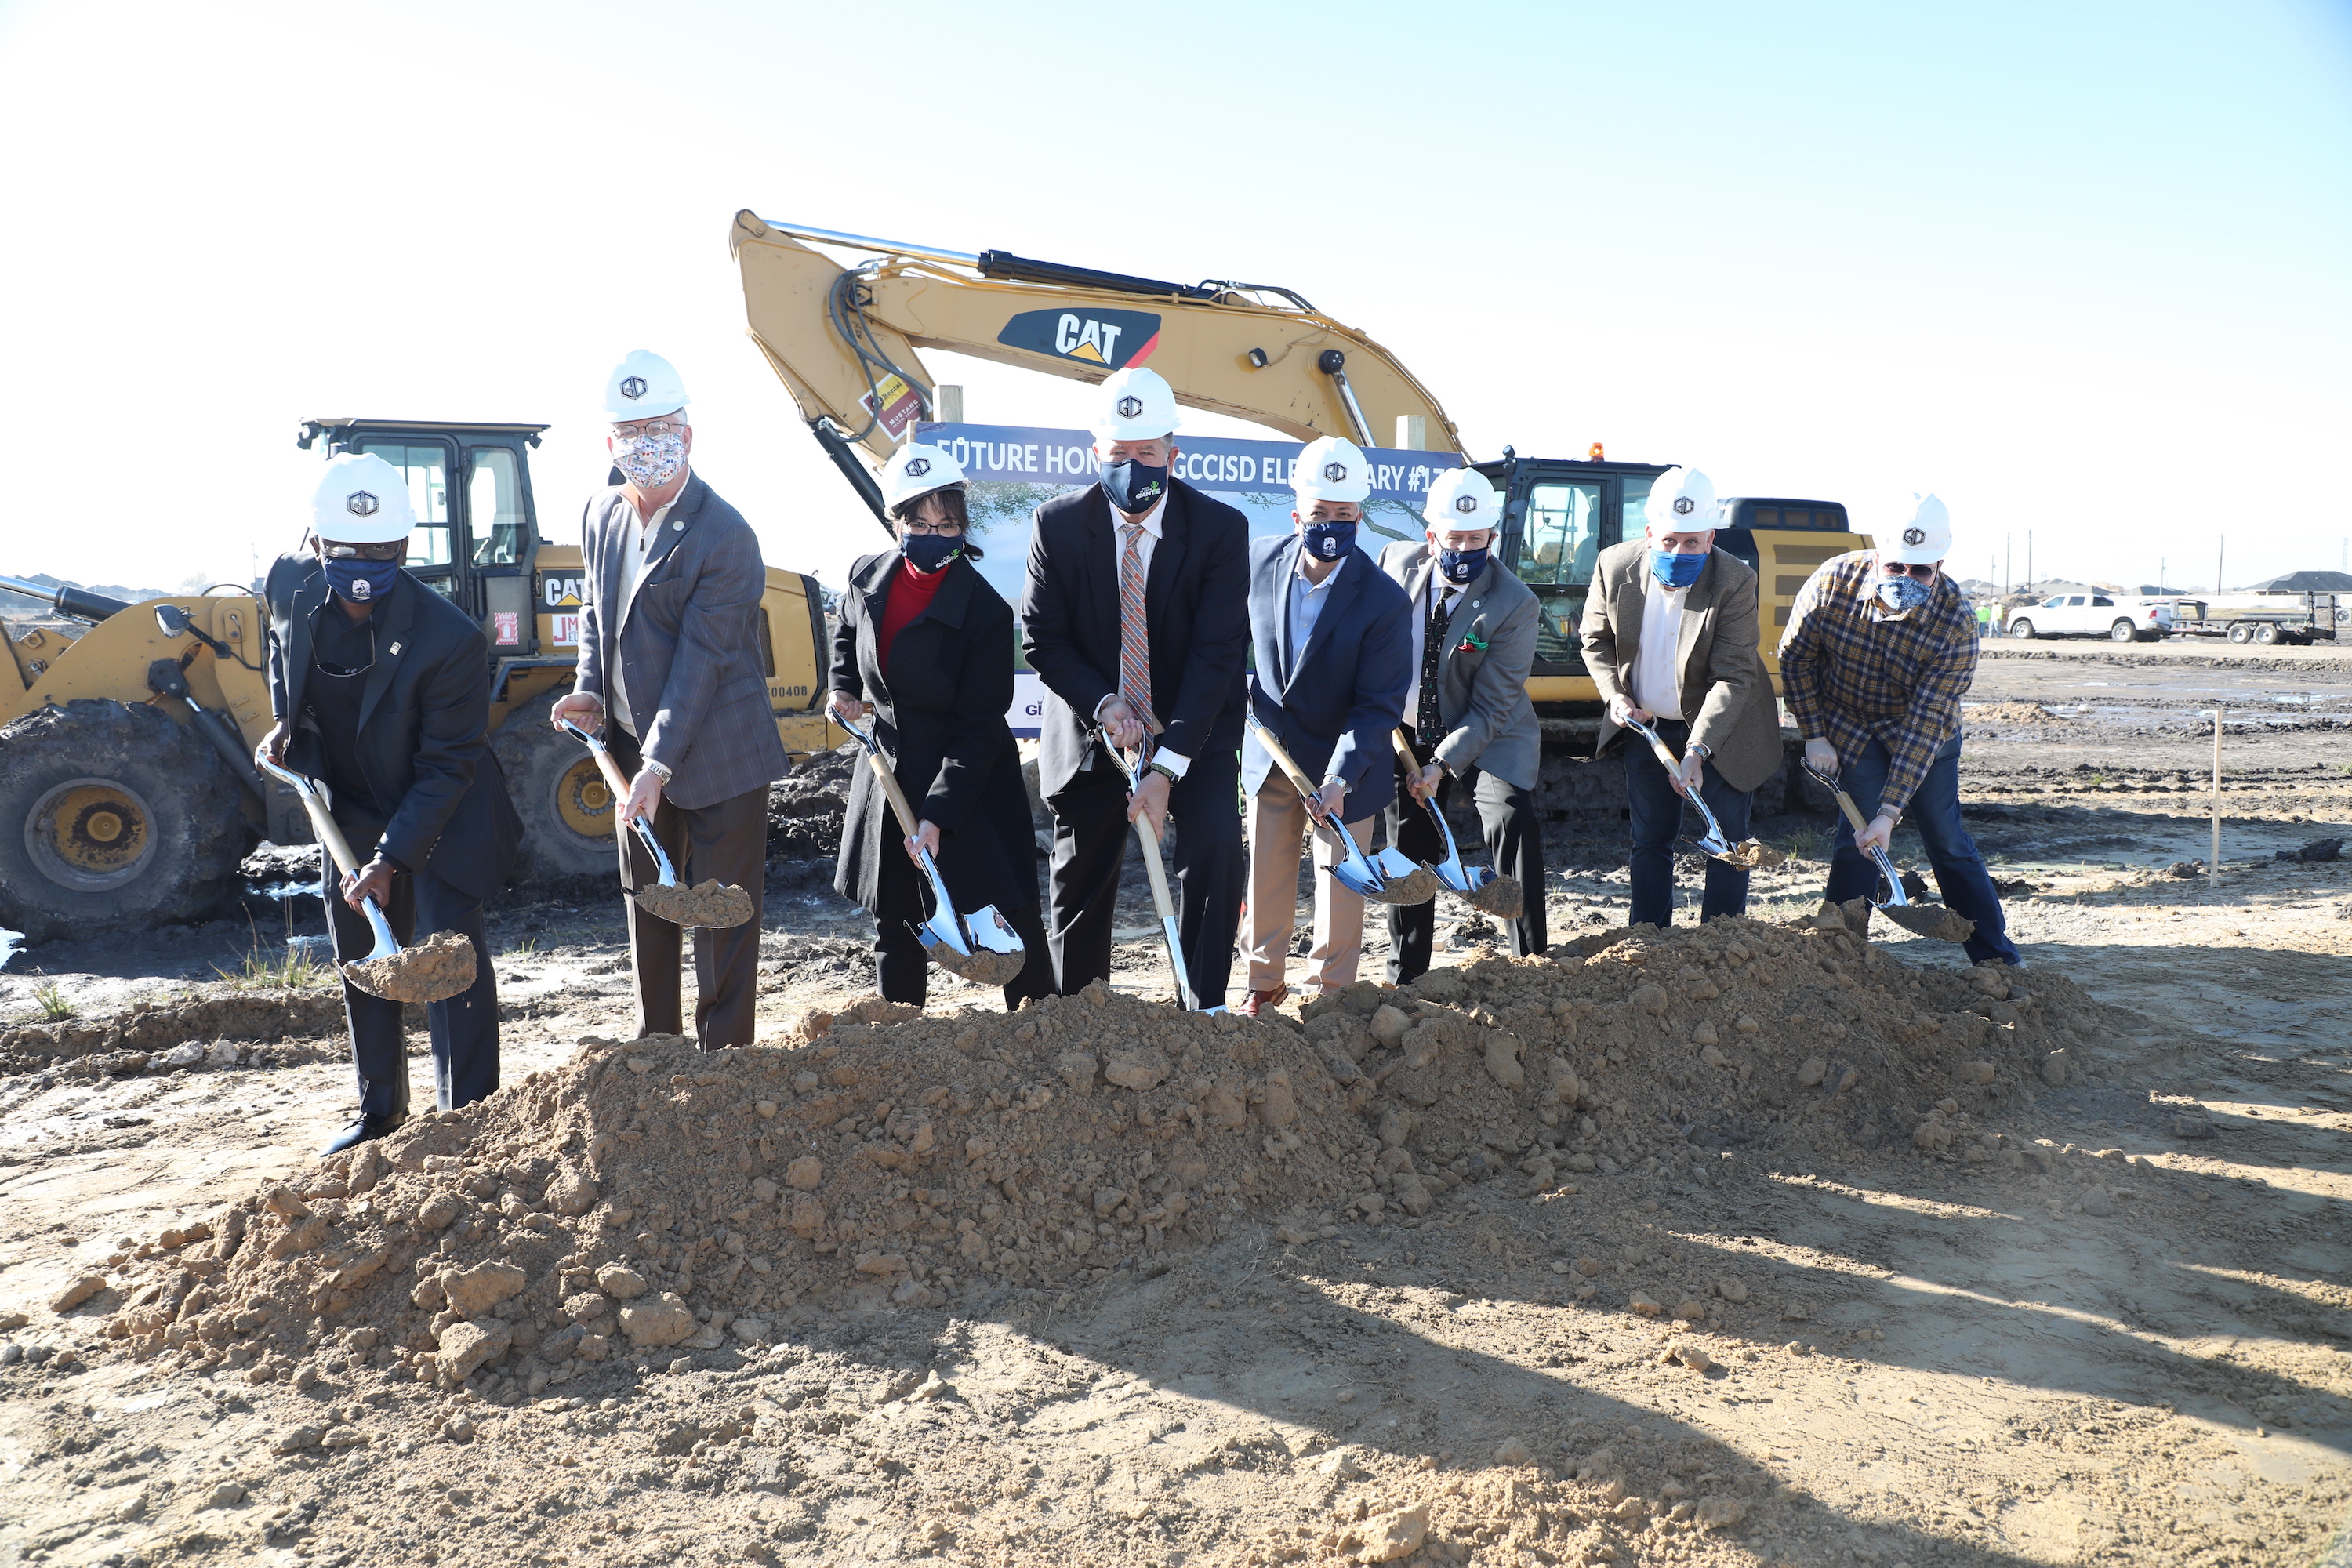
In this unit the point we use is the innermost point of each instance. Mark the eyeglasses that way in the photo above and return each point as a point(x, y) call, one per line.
point(658, 430)
point(911, 525)
point(363, 551)
point(1918, 573)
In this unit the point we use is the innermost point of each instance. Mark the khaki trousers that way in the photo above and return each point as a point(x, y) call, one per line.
point(1278, 818)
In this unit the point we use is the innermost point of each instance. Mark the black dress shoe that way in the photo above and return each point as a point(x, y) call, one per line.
point(366, 1129)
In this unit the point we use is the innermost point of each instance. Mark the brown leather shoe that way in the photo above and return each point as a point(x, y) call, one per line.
point(1257, 1001)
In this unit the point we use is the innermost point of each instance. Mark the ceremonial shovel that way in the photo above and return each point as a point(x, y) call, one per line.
point(1158, 872)
point(710, 904)
point(1387, 877)
point(1932, 922)
point(434, 972)
point(1489, 892)
point(989, 953)
point(1748, 854)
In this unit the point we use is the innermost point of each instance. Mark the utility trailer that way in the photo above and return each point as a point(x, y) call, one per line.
point(2294, 619)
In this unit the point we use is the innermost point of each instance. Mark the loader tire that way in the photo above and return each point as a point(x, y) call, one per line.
point(113, 816)
point(567, 812)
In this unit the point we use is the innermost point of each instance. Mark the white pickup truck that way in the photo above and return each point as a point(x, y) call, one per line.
point(2094, 615)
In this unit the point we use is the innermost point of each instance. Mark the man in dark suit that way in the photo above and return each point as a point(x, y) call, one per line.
point(1135, 617)
point(381, 690)
point(1670, 638)
point(669, 650)
point(1473, 631)
point(1334, 662)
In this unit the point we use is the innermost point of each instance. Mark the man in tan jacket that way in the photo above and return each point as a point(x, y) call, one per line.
point(1670, 639)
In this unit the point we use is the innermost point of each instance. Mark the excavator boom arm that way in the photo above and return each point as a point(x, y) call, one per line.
point(846, 342)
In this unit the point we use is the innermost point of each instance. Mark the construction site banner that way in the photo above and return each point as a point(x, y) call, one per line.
point(1012, 469)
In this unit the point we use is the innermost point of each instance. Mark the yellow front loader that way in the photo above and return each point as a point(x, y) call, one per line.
point(127, 791)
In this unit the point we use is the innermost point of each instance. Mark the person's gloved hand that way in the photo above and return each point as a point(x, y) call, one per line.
point(1822, 758)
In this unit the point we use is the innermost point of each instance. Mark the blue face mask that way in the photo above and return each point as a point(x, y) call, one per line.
point(1461, 565)
point(1903, 593)
point(361, 581)
point(929, 551)
point(1675, 569)
point(1330, 541)
point(1134, 487)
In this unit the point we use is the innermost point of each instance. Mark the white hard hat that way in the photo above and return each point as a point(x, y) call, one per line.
point(1682, 501)
point(642, 386)
point(914, 471)
point(1331, 467)
point(1137, 405)
point(1923, 538)
point(1461, 499)
point(362, 500)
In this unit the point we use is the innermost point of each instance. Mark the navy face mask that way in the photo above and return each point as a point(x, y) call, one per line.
point(1330, 541)
point(1134, 487)
point(929, 551)
point(1461, 565)
point(361, 581)
point(1675, 569)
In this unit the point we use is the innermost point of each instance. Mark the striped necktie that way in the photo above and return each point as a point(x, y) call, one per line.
point(1428, 726)
point(1134, 643)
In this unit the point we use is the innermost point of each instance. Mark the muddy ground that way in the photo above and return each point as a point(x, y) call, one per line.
point(1944, 1361)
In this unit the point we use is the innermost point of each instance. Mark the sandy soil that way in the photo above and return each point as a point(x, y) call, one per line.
point(1944, 1360)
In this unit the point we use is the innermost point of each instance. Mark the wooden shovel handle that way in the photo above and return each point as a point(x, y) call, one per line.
point(1845, 804)
point(1282, 760)
point(1404, 750)
point(332, 836)
point(612, 779)
point(898, 797)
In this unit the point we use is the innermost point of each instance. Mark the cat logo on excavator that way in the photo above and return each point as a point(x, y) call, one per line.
point(1111, 338)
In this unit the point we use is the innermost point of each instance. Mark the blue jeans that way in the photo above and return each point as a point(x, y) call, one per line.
point(1934, 811)
point(1657, 812)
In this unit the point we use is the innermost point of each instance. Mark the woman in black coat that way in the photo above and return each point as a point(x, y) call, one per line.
point(925, 647)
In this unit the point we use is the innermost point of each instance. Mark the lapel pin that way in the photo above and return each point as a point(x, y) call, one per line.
point(395, 649)
point(678, 525)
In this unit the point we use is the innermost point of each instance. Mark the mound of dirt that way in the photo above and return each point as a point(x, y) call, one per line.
point(648, 1195)
point(2013, 713)
point(805, 810)
point(150, 1034)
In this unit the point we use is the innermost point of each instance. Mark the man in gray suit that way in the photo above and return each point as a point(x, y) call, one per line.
point(1473, 642)
point(669, 650)
point(1670, 638)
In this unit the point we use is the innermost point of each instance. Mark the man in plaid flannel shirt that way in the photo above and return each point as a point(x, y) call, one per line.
point(1879, 649)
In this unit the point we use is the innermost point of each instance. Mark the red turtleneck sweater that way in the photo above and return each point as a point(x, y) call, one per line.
point(910, 594)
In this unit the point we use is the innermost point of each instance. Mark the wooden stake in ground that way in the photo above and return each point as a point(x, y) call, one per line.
point(2214, 864)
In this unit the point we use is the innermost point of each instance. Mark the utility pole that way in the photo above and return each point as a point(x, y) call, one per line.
point(2029, 558)
point(2219, 545)
point(2008, 560)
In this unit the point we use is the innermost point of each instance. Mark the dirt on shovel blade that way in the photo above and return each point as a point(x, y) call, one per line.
point(1755, 855)
point(434, 970)
point(980, 966)
point(711, 904)
point(1505, 897)
point(1417, 887)
point(1932, 922)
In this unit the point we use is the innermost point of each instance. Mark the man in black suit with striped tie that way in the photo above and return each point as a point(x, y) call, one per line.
point(1135, 617)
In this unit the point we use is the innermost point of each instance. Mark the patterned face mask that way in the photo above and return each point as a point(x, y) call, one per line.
point(1902, 595)
point(649, 461)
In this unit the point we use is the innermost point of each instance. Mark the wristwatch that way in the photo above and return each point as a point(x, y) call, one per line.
point(1162, 769)
point(1700, 749)
point(659, 770)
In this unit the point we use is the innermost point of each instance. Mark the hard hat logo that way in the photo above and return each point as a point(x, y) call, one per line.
point(1465, 505)
point(1129, 407)
point(918, 467)
point(360, 503)
point(1915, 536)
point(1685, 506)
point(1335, 472)
point(633, 387)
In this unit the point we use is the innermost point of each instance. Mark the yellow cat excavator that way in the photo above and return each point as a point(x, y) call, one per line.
point(846, 342)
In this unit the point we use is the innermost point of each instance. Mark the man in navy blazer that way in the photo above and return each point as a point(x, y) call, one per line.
point(1163, 676)
point(1334, 660)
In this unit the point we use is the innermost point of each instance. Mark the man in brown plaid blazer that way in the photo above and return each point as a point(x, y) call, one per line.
point(669, 653)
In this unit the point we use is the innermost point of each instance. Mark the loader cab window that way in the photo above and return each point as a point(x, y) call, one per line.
point(432, 549)
point(494, 507)
point(1559, 538)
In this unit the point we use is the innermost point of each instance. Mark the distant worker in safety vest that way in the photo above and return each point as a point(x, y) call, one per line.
point(1880, 649)
point(1670, 638)
point(670, 667)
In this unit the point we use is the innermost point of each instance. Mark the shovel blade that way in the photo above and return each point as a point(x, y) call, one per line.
point(1932, 922)
point(1506, 898)
point(993, 931)
point(982, 966)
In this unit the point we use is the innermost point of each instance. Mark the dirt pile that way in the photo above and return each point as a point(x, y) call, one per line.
point(439, 967)
point(648, 1195)
point(805, 810)
point(2013, 713)
point(248, 1024)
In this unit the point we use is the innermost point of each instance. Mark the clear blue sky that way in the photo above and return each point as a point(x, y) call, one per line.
point(2080, 269)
